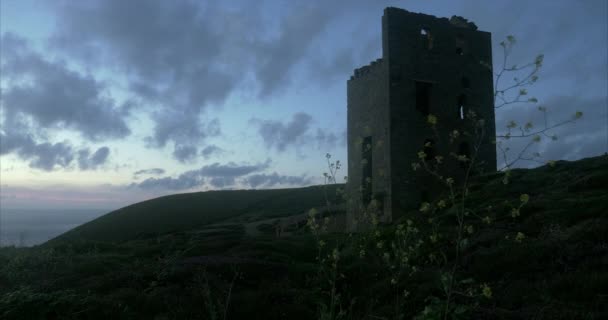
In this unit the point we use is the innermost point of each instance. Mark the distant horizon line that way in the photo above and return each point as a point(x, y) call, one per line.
point(55, 209)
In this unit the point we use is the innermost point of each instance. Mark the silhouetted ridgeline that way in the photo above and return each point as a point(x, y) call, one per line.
point(192, 210)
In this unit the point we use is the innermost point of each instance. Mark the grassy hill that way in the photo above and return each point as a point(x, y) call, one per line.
point(194, 210)
point(190, 257)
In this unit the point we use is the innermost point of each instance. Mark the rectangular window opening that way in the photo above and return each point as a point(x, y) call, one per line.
point(423, 97)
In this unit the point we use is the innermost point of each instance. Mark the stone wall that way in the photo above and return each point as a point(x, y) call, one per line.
point(445, 54)
point(445, 58)
point(367, 103)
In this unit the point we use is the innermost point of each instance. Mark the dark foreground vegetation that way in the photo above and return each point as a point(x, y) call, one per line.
point(192, 257)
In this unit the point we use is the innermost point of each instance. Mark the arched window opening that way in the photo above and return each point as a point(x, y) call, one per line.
point(429, 150)
point(461, 106)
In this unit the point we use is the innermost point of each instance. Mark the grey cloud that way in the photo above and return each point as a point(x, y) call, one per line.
point(44, 156)
point(55, 97)
point(184, 153)
point(49, 156)
point(579, 54)
point(326, 139)
point(164, 46)
point(184, 181)
point(13, 142)
point(184, 128)
point(279, 135)
point(338, 67)
point(269, 180)
point(221, 182)
point(297, 32)
point(232, 169)
point(86, 161)
point(151, 171)
point(217, 175)
point(183, 56)
point(208, 151)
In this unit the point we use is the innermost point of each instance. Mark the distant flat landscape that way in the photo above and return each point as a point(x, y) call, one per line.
point(36, 226)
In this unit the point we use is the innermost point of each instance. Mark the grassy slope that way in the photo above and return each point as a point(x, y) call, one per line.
point(194, 210)
point(560, 271)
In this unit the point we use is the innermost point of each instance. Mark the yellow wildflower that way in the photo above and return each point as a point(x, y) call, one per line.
point(441, 204)
point(515, 212)
point(470, 229)
point(486, 291)
point(487, 220)
point(425, 207)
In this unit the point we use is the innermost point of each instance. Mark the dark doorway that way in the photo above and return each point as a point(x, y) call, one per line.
point(423, 97)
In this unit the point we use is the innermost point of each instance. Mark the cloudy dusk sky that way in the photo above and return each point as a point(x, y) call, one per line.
point(108, 103)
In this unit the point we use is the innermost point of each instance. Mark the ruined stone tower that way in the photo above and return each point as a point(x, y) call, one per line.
point(429, 65)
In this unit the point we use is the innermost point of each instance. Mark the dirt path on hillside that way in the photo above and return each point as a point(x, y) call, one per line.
point(251, 228)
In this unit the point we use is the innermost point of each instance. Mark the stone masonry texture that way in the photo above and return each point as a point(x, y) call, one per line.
point(429, 65)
